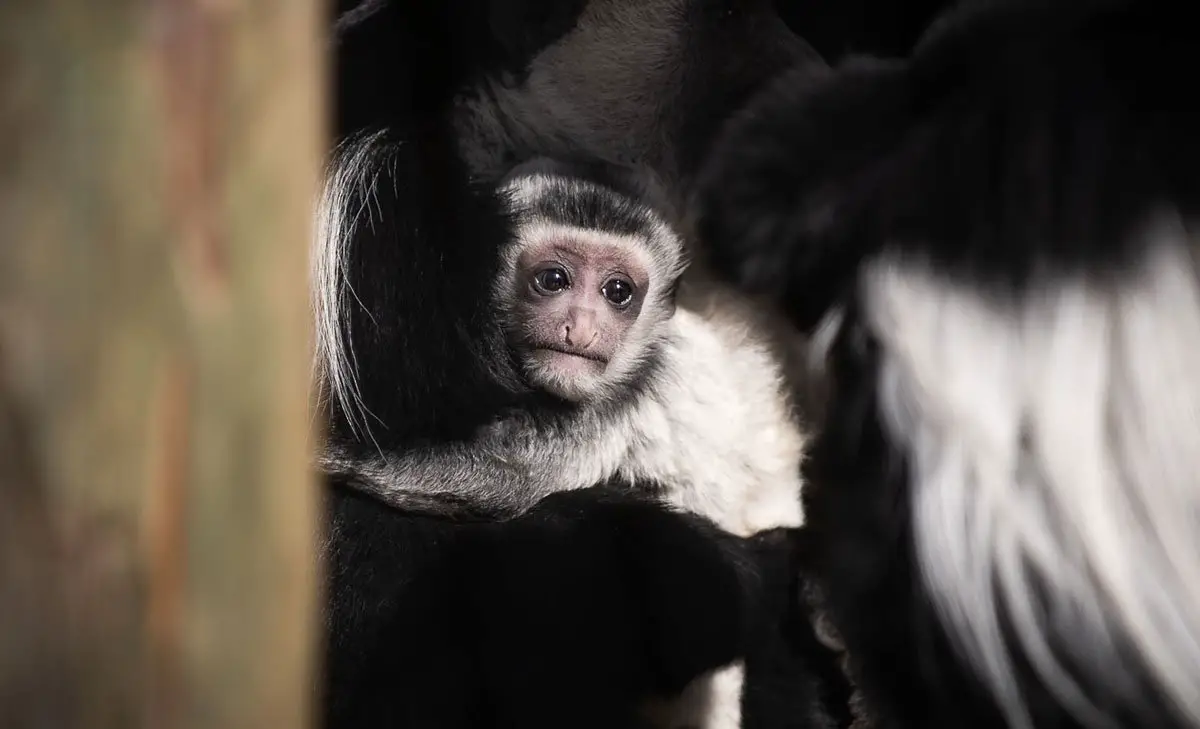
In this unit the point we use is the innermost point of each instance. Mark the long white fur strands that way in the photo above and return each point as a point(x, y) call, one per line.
point(353, 174)
point(1054, 438)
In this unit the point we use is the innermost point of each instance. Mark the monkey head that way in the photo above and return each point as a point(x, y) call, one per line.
point(587, 281)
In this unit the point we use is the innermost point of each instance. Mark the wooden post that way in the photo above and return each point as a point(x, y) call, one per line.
point(158, 163)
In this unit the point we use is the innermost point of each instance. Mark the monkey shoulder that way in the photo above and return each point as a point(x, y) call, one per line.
point(730, 369)
point(718, 429)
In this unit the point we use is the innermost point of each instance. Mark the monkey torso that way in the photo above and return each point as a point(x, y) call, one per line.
point(713, 428)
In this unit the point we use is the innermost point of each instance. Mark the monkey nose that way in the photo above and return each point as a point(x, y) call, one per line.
point(578, 334)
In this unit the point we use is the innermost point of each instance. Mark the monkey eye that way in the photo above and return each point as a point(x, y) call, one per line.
point(551, 280)
point(619, 292)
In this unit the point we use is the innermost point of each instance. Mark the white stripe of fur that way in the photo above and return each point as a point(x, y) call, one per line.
point(354, 169)
point(1056, 435)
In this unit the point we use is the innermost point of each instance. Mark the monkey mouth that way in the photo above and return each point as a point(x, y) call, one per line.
point(574, 353)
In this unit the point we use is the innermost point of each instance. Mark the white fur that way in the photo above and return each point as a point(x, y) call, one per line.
point(717, 430)
point(718, 433)
point(715, 427)
point(659, 245)
point(1055, 435)
point(713, 701)
point(570, 85)
point(354, 170)
point(658, 249)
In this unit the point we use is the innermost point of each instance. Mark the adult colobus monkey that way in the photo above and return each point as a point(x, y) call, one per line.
point(997, 241)
point(592, 602)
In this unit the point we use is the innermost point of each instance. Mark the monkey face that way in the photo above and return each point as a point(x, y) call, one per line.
point(577, 299)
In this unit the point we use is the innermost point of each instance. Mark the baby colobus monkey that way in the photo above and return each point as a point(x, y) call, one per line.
point(587, 295)
point(629, 387)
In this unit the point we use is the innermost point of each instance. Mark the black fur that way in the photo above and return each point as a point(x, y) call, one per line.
point(576, 613)
point(839, 28)
point(1022, 136)
point(1021, 139)
point(424, 245)
point(731, 48)
point(787, 182)
point(399, 63)
point(792, 681)
point(636, 192)
point(429, 226)
point(860, 540)
point(431, 358)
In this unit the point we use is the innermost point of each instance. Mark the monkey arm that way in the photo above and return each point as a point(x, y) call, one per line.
point(573, 614)
point(441, 477)
point(506, 469)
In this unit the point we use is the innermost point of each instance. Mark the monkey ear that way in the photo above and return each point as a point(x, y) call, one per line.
point(671, 300)
point(785, 204)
